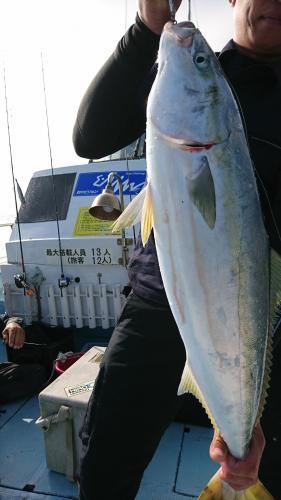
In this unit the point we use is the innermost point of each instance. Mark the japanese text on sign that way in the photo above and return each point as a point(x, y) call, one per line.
point(87, 225)
point(73, 255)
point(101, 256)
point(80, 256)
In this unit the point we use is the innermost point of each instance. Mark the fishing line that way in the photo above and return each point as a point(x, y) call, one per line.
point(193, 3)
point(254, 168)
point(266, 142)
point(189, 11)
point(126, 14)
point(269, 205)
point(264, 189)
point(52, 168)
point(13, 175)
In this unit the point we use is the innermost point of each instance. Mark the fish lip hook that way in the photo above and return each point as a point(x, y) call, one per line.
point(172, 12)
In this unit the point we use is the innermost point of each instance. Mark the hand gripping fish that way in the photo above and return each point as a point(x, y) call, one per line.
point(202, 202)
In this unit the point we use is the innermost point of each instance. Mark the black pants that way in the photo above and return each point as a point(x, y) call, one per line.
point(135, 399)
point(20, 381)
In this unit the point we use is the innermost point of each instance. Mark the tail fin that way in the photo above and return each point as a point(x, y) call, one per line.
point(218, 490)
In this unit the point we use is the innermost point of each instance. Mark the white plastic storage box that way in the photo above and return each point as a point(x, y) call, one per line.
point(63, 406)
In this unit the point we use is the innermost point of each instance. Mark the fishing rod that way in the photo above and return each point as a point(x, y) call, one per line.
point(20, 279)
point(63, 282)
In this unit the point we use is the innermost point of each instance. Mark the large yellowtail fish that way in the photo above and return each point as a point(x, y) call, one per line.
point(202, 202)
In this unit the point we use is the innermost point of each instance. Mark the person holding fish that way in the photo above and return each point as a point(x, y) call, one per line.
point(197, 317)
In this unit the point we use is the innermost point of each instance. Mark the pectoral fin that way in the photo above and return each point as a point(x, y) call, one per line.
point(218, 490)
point(139, 210)
point(201, 190)
point(147, 216)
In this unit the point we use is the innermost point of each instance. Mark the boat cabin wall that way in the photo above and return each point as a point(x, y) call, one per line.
point(92, 257)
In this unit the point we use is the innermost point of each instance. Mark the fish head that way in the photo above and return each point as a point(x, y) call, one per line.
point(190, 102)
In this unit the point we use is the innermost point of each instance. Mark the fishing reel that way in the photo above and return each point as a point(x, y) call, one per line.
point(20, 282)
point(64, 281)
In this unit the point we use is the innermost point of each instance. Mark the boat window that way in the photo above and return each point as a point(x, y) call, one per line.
point(133, 151)
point(39, 198)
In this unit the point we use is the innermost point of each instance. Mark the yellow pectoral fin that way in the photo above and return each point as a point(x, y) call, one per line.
point(147, 216)
point(132, 213)
point(218, 490)
point(139, 210)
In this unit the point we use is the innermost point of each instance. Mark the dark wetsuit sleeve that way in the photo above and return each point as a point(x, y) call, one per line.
point(112, 112)
point(5, 320)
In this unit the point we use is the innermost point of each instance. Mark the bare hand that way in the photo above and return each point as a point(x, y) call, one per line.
point(155, 13)
point(239, 474)
point(14, 335)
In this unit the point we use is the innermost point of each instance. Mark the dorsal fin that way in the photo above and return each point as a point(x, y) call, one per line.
point(274, 316)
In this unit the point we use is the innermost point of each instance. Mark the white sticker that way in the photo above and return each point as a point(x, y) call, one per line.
point(79, 389)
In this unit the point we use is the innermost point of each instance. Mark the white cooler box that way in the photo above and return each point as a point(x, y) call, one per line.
point(63, 406)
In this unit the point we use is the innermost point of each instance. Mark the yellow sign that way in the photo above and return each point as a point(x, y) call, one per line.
point(87, 225)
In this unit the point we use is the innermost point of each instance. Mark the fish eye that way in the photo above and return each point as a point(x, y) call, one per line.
point(201, 60)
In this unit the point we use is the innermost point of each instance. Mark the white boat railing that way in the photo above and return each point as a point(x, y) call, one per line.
point(79, 306)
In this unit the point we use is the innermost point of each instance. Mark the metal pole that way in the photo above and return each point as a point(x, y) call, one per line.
point(13, 175)
point(123, 234)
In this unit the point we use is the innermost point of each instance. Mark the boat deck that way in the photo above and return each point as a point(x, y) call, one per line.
point(180, 468)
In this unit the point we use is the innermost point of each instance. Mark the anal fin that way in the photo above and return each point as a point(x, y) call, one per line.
point(189, 384)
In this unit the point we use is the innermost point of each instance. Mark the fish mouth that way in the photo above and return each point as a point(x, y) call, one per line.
point(181, 32)
point(170, 26)
point(197, 147)
point(191, 147)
